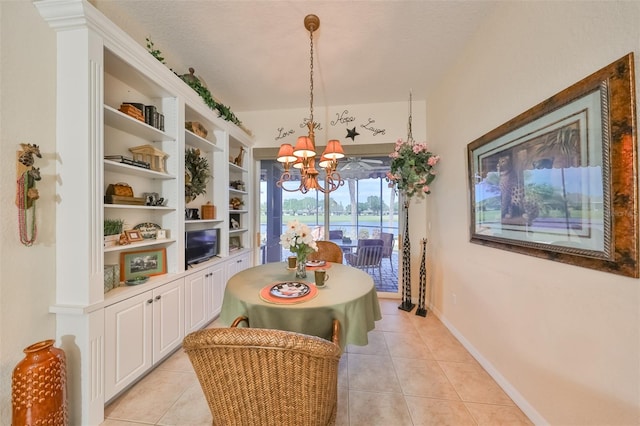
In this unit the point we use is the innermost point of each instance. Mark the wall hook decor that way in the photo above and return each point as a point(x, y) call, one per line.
point(26, 192)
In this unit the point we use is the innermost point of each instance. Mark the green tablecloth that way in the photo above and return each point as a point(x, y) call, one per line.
point(349, 296)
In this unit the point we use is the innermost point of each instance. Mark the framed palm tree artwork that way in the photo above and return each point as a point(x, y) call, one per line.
point(559, 181)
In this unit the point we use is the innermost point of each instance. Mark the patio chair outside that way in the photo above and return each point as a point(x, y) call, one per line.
point(387, 250)
point(267, 377)
point(336, 234)
point(367, 256)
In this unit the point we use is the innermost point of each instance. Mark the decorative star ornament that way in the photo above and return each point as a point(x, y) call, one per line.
point(351, 133)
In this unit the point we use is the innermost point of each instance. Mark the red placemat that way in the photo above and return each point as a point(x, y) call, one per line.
point(265, 294)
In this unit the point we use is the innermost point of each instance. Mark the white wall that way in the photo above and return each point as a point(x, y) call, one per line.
point(389, 121)
point(27, 105)
point(566, 338)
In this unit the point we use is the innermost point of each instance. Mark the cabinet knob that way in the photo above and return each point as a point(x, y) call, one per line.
point(149, 301)
point(158, 297)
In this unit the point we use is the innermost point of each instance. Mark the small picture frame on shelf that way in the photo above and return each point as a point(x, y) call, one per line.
point(143, 263)
point(153, 199)
point(234, 243)
point(133, 235)
point(191, 214)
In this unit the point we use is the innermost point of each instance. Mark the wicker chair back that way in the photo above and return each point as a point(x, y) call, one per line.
point(266, 377)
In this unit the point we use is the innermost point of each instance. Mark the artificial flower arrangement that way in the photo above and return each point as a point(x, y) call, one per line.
point(412, 168)
point(298, 240)
point(197, 174)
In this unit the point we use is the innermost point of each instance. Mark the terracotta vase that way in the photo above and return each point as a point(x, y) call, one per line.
point(39, 386)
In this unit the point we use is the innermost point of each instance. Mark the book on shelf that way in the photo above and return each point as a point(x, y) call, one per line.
point(132, 201)
point(138, 105)
point(126, 160)
point(151, 115)
point(132, 110)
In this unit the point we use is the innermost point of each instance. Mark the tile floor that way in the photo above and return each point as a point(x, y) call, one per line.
point(412, 372)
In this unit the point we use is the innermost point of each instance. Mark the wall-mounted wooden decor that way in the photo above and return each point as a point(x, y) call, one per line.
point(26, 193)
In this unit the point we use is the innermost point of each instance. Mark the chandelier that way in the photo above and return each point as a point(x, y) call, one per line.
point(303, 156)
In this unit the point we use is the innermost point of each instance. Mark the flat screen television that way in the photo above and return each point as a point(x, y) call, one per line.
point(200, 245)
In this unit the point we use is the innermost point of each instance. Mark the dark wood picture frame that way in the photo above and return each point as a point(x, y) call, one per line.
point(559, 181)
point(133, 235)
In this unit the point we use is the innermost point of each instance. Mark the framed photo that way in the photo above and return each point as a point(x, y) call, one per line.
point(143, 263)
point(234, 243)
point(559, 181)
point(151, 198)
point(133, 235)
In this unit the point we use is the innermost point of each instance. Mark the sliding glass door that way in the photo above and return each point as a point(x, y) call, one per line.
point(364, 208)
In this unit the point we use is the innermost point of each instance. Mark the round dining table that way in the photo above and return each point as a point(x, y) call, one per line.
point(349, 296)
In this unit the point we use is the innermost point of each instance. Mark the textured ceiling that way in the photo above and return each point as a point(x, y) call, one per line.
point(254, 55)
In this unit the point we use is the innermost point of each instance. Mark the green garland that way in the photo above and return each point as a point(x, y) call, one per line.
point(197, 173)
point(154, 52)
point(223, 110)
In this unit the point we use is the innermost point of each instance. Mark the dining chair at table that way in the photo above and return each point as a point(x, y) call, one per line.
point(258, 376)
point(327, 251)
point(387, 249)
point(368, 255)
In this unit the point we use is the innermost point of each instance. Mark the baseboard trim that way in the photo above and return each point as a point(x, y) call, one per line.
point(506, 386)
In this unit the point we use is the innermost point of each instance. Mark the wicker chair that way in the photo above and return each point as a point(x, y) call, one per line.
point(253, 376)
point(327, 251)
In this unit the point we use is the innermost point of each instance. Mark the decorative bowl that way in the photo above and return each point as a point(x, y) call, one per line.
point(137, 280)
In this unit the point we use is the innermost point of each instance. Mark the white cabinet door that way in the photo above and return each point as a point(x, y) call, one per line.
point(128, 342)
point(196, 296)
point(237, 264)
point(216, 278)
point(168, 318)
point(233, 267)
point(245, 262)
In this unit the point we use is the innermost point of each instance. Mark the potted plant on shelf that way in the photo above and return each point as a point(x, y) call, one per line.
point(112, 231)
point(197, 174)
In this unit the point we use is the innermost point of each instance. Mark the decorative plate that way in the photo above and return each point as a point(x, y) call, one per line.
point(290, 290)
point(312, 263)
point(137, 280)
point(148, 230)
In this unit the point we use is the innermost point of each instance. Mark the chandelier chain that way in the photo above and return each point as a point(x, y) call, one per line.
point(311, 74)
point(303, 156)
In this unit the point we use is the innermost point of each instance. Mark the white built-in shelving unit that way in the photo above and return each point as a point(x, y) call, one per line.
point(114, 338)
